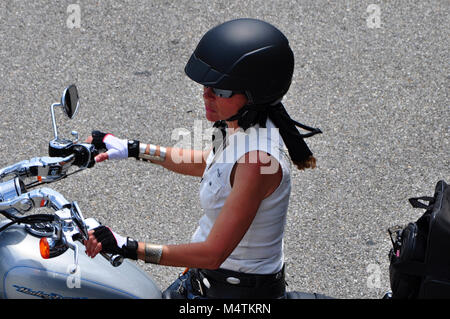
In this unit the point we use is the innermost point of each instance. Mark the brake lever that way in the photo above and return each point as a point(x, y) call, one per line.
point(114, 260)
point(76, 252)
point(79, 221)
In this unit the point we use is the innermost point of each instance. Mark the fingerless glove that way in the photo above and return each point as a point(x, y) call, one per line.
point(113, 243)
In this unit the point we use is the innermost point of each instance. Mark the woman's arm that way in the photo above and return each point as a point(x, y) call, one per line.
point(184, 161)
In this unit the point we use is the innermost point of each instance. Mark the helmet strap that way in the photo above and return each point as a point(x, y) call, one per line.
point(251, 114)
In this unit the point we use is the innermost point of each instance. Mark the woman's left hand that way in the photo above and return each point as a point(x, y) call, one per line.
point(103, 239)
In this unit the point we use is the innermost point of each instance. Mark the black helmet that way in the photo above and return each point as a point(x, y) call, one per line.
point(244, 55)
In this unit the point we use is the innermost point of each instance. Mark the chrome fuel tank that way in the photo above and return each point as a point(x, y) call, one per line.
point(25, 274)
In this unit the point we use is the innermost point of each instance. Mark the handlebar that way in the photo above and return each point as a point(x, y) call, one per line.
point(114, 260)
point(50, 169)
point(69, 222)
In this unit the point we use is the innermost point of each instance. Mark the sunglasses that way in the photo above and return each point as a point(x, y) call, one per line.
point(223, 93)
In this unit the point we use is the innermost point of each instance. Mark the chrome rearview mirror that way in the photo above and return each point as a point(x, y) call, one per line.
point(69, 103)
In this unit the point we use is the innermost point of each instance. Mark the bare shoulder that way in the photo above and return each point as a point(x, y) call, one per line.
point(257, 169)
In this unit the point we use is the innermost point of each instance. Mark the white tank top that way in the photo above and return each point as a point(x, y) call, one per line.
point(261, 249)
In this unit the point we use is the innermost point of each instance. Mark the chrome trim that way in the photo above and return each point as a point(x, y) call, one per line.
point(52, 111)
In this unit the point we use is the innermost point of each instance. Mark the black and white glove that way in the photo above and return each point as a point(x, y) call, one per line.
point(116, 148)
point(113, 243)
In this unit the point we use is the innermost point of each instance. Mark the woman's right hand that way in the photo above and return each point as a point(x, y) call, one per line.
point(100, 157)
point(116, 149)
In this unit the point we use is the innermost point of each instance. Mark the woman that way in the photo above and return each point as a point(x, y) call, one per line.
point(246, 67)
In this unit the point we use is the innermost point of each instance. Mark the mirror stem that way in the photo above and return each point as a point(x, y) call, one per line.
point(52, 109)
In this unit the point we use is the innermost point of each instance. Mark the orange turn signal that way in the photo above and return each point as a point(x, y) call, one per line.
point(44, 248)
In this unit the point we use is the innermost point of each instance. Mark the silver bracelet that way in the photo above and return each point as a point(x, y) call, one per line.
point(142, 148)
point(153, 253)
point(162, 152)
point(152, 151)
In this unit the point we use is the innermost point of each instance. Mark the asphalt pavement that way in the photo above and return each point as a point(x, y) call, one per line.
point(372, 75)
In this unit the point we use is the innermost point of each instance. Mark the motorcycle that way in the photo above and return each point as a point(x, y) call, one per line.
point(34, 248)
point(34, 257)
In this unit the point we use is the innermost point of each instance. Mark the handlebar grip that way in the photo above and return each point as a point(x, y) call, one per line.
point(84, 154)
point(115, 260)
